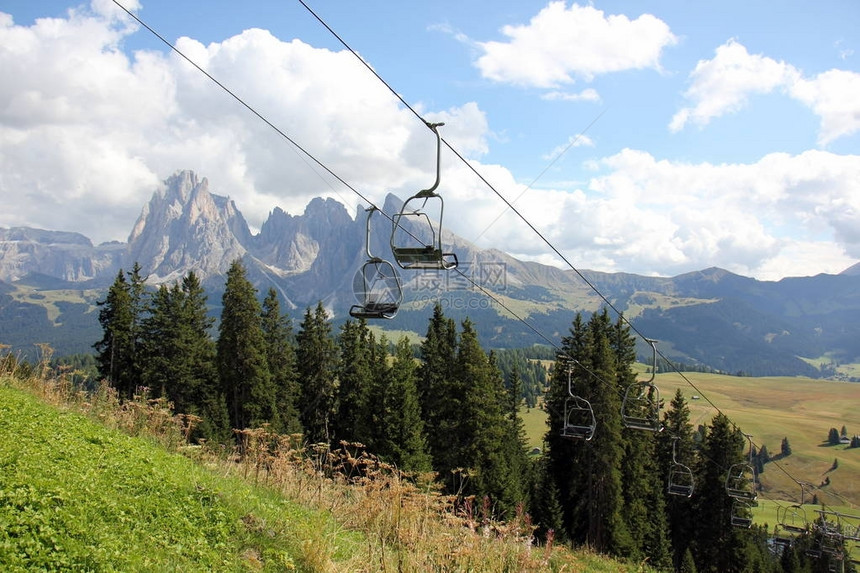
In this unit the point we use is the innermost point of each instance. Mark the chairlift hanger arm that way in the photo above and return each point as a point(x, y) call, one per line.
point(432, 190)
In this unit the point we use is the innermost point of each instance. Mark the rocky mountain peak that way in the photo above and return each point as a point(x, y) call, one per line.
point(184, 227)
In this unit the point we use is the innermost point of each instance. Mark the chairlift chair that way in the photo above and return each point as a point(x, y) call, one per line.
point(742, 513)
point(681, 480)
point(792, 518)
point(376, 285)
point(415, 242)
point(640, 409)
point(740, 481)
point(579, 421)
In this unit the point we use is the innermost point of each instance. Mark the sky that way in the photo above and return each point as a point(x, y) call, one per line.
point(655, 137)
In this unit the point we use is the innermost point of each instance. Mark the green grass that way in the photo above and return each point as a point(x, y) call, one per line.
point(801, 409)
point(77, 496)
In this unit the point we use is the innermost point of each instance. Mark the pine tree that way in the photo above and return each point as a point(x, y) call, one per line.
point(241, 352)
point(677, 439)
point(316, 360)
point(120, 316)
point(353, 421)
point(785, 447)
point(588, 474)
point(281, 360)
point(716, 542)
point(400, 438)
point(440, 394)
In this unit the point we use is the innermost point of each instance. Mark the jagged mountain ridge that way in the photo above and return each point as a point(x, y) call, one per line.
point(710, 317)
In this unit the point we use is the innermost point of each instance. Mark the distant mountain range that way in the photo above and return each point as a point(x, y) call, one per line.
point(50, 282)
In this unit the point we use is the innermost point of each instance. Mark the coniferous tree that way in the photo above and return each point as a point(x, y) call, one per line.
point(241, 354)
point(440, 395)
point(517, 440)
point(160, 353)
point(120, 316)
point(353, 421)
point(676, 444)
point(716, 542)
point(545, 504)
point(316, 356)
point(491, 450)
point(281, 360)
point(180, 355)
point(644, 509)
point(785, 447)
point(400, 437)
point(588, 474)
point(202, 391)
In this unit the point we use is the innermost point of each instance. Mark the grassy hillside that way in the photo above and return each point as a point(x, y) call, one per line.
point(78, 494)
point(800, 409)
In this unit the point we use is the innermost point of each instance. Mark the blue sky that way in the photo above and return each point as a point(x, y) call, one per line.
point(715, 134)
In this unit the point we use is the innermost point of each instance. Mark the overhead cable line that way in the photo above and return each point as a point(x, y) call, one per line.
point(534, 229)
point(364, 198)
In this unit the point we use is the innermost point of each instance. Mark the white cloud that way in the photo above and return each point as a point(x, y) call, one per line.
point(560, 44)
point(834, 96)
point(83, 124)
point(724, 84)
point(87, 132)
point(588, 94)
point(782, 215)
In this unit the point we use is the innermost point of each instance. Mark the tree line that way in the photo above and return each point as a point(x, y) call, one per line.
point(449, 408)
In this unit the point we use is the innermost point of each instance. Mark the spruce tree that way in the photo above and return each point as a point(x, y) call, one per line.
point(160, 353)
point(715, 541)
point(117, 353)
point(644, 510)
point(785, 447)
point(517, 440)
point(316, 356)
point(353, 421)
point(201, 390)
point(545, 503)
point(281, 360)
point(491, 450)
point(588, 473)
point(677, 439)
point(241, 349)
point(400, 438)
point(440, 394)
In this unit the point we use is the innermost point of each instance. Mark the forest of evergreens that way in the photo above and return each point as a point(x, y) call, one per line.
point(452, 408)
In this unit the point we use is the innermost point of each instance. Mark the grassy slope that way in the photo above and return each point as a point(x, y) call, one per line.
point(75, 495)
point(800, 409)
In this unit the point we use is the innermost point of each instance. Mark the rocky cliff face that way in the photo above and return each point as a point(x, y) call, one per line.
point(65, 256)
point(184, 228)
